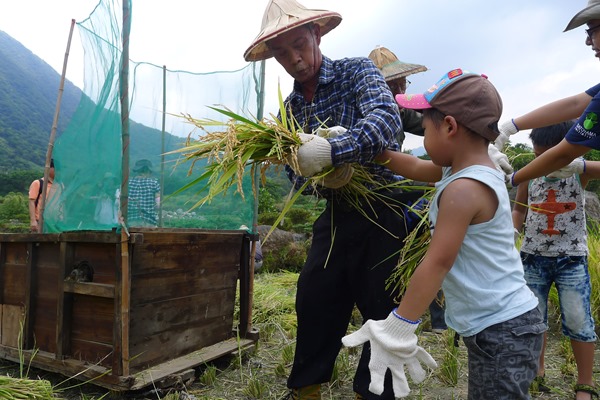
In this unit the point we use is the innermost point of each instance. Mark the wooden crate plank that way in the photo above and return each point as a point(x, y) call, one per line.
point(158, 348)
point(194, 359)
point(12, 316)
point(92, 319)
point(90, 289)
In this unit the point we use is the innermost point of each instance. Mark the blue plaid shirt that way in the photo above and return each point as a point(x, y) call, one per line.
point(351, 93)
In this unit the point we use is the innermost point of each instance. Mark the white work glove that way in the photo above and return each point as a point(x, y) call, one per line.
point(577, 166)
point(393, 345)
point(507, 128)
point(500, 160)
point(337, 177)
point(332, 132)
point(517, 235)
point(313, 155)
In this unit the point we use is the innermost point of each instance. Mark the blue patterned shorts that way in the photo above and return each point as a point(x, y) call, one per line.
point(571, 277)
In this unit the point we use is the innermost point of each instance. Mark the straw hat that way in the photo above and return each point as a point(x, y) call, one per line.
point(592, 11)
point(282, 16)
point(391, 67)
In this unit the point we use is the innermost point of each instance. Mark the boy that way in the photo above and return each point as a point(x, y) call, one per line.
point(554, 250)
point(471, 255)
point(583, 136)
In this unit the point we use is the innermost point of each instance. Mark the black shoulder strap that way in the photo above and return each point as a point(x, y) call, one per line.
point(41, 181)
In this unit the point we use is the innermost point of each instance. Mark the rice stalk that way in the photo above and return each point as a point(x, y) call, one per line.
point(22, 388)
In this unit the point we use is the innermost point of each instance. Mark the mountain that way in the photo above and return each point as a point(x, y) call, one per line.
point(418, 151)
point(28, 94)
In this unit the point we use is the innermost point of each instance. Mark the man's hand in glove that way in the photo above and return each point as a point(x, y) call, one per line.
point(393, 345)
point(500, 160)
point(332, 132)
point(338, 177)
point(313, 155)
point(577, 166)
point(507, 128)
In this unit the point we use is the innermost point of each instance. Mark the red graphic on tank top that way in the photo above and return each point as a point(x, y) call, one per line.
point(551, 208)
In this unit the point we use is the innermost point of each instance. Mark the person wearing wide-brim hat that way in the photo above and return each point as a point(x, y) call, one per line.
point(585, 107)
point(395, 72)
point(564, 159)
point(144, 196)
point(351, 98)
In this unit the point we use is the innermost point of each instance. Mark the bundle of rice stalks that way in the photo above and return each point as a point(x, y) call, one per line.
point(242, 142)
point(414, 249)
point(21, 388)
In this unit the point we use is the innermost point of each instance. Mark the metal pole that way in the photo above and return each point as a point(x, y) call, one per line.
point(162, 146)
point(61, 89)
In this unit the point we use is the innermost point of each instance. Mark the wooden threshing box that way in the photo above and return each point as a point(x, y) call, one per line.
point(158, 304)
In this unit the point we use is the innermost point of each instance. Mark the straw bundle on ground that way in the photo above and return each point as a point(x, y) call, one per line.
point(21, 388)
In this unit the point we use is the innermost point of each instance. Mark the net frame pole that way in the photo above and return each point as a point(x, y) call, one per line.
point(162, 146)
point(61, 89)
point(125, 259)
point(260, 100)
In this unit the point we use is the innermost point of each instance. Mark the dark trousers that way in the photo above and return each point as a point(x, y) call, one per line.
point(352, 270)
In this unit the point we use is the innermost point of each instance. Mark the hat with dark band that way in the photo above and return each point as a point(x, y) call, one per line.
point(391, 67)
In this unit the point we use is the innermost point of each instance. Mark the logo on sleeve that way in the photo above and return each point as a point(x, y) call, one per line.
point(590, 121)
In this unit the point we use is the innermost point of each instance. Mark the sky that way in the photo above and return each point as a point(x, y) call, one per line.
point(520, 45)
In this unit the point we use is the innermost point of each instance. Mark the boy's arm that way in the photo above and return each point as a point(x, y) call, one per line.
point(552, 113)
point(592, 171)
point(519, 211)
point(410, 166)
point(461, 204)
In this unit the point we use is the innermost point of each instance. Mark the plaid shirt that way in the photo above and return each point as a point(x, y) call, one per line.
point(142, 199)
point(351, 93)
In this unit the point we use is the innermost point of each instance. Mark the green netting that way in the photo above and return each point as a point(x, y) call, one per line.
point(94, 170)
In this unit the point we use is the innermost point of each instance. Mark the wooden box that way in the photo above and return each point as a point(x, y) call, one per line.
point(160, 301)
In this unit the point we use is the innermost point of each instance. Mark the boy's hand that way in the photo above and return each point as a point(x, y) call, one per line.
point(577, 166)
point(393, 345)
point(500, 160)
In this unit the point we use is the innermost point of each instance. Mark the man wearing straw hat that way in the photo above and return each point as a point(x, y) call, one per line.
point(351, 255)
point(395, 72)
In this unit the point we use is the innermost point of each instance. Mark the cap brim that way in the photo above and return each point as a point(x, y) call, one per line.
point(412, 101)
point(583, 17)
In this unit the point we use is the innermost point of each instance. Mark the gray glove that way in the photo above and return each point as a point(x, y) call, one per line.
point(313, 155)
point(332, 132)
point(507, 128)
point(577, 166)
point(337, 177)
point(500, 160)
point(393, 345)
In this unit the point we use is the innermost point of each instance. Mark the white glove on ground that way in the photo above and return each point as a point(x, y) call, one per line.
point(500, 160)
point(507, 128)
point(577, 166)
point(313, 155)
point(332, 132)
point(393, 345)
point(338, 177)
